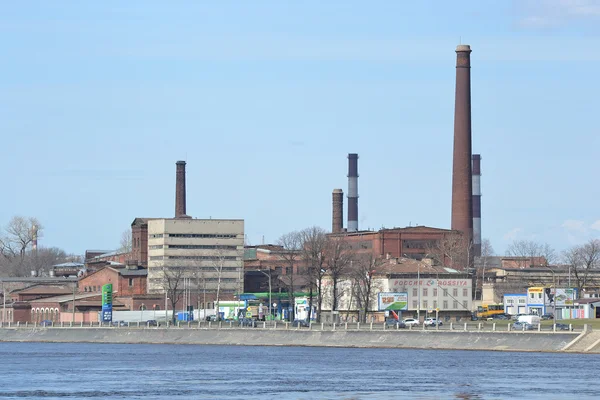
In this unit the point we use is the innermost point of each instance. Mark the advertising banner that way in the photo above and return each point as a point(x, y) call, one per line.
point(562, 297)
point(397, 301)
point(107, 302)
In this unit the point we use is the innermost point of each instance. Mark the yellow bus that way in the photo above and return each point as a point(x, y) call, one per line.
point(489, 310)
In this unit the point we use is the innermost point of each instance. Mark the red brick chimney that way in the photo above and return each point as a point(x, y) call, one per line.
point(337, 223)
point(462, 192)
point(180, 190)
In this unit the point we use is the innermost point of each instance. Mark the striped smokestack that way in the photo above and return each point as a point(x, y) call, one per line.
point(476, 166)
point(180, 190)
point(462, 192)
point(337, 221)
point(352, 192)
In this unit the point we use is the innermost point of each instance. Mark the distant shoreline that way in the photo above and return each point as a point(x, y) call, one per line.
point(414, 339)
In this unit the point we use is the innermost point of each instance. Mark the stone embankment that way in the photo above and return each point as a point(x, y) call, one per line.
point(420, 339)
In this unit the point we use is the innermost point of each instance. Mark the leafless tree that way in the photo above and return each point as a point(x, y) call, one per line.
point(125, 242)
point(172, 283)
point(453, 250)
point(338, 255)
point(314, 244)
point(291, 254)
point(532, 252)
point(19, 235)
point(583, 260)
point(362, 272)
point(487, 252)
point(219, 260)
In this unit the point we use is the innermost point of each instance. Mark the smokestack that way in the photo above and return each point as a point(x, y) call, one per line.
point(476, 166)
point(180, 190)
point(462, 192)
point(337, 222)
point(352, 192)
point(34, 238)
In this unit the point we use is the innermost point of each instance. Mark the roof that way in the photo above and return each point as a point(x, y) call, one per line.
point(591, 300)
point(132, 272)
point(69, 265)
point(45, 289)
point(65, 298)
point(40, 279)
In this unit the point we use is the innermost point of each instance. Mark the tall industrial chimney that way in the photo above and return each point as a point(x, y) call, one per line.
point(180, 190)
point(462, 192)
point(337, 221)
point(352, 192)
point(476, 166)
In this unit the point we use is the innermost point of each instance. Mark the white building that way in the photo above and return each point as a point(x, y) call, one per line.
point(206, 250)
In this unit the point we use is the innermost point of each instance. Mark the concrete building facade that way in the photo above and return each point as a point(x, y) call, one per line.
point(199, 248)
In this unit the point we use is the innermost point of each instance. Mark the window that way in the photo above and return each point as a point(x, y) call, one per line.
point(130, 282)
point(415, 304)
point(446, 293)
point(156, 246)
point(156, 257)
point(143, 307)
point(288, 270)
point(415, 294)
point(521, 301)
point(201, 247)
point(156, 307)
point(202, 235)
point(531, 295)
point(278, 270)
point(454, 292)
point(435, 304)
point(424, 291)
point(455, 304)
point(156, 236)
point(510, 301)
point(539, 295)
point(425, 304)
point(434, 292)
point(465, 292)
point(445, 303)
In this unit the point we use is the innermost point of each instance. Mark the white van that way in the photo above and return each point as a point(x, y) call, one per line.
point(530, 319)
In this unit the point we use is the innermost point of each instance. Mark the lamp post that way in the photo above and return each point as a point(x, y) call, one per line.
point(553, 298)
point(268, 275)
point(418, 290)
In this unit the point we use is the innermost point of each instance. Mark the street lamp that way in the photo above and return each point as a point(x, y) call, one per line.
point(268, 275)
point(553, 298)
point(418, 290)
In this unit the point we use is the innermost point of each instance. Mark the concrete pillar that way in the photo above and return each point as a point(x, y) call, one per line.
point(82, 324)
point(465, 326)
point(478, 326)
point(322, 326)
point(264, 324)
point(209, 324)
point(571, 327)
point(371, 327)
point(358, 326)
point(275, 325)
point(494, 327)
point(346, 326)
point(508, 327)
point(333, 327)
point(539, 327)
point(287, 325)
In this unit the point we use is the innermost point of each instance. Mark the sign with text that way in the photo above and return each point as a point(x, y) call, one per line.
point(393, 301)
point(107, 302)
point(443, 283)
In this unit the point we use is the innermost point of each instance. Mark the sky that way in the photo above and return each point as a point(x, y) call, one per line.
point(265, 99)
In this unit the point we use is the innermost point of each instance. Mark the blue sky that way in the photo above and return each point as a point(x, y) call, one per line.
point(264, 100)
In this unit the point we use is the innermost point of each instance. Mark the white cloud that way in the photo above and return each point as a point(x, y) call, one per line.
point(596, 225)
point(512, 234)
point(575, 225)
point(550, 13)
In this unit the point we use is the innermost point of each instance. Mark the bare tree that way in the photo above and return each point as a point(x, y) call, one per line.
point(220, 258)
point(362, 271)
point(583, 260)
point(453, 250)
point(338, 255)
point(487, 252)
point(20, 233)
point(531, 252)
point(292, 252)
point(125, 242)
point(314, 243)
point(172, 282)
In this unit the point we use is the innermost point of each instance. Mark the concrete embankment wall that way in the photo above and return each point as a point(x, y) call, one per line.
point(506, 341)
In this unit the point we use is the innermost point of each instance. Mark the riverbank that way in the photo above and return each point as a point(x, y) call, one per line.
point(415, 339)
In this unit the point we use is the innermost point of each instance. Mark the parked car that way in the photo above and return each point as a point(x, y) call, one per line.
point(500, 316)
point(120, 323)
point(474, 317)
point(247, 322)
point(46, 322)
point(152, 322)
point(211, 318)
point(300, 323)
point(410, 322)
point(563, 327)
point(519, 326)
point(393, 323)
point(433, 322)
point(548, 316)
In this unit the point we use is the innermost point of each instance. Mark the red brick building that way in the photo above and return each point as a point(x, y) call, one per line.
point(126, 281)
point(40, 291)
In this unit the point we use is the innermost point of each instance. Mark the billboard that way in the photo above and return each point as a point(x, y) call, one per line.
point(107, 302)
point(562, 297)
point(397, 301)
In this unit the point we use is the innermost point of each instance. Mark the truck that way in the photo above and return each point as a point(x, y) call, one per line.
point(533, 320)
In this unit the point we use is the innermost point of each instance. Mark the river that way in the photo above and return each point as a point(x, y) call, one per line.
point(85, 370)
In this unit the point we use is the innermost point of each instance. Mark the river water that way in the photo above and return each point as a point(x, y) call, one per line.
point(83, 370)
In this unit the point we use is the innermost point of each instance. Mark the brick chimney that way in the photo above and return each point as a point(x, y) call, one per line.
point(180, 190)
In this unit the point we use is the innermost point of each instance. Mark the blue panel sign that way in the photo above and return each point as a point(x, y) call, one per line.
point(107, 313)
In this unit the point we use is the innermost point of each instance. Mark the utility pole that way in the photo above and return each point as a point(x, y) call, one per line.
point(73, 314)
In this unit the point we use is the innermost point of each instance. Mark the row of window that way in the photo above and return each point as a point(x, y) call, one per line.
point(194, 235)
point(195, 269)
point(465, 292)
point(210, 258)
point(455, 305)
point(512, 301)
point(193, 246)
